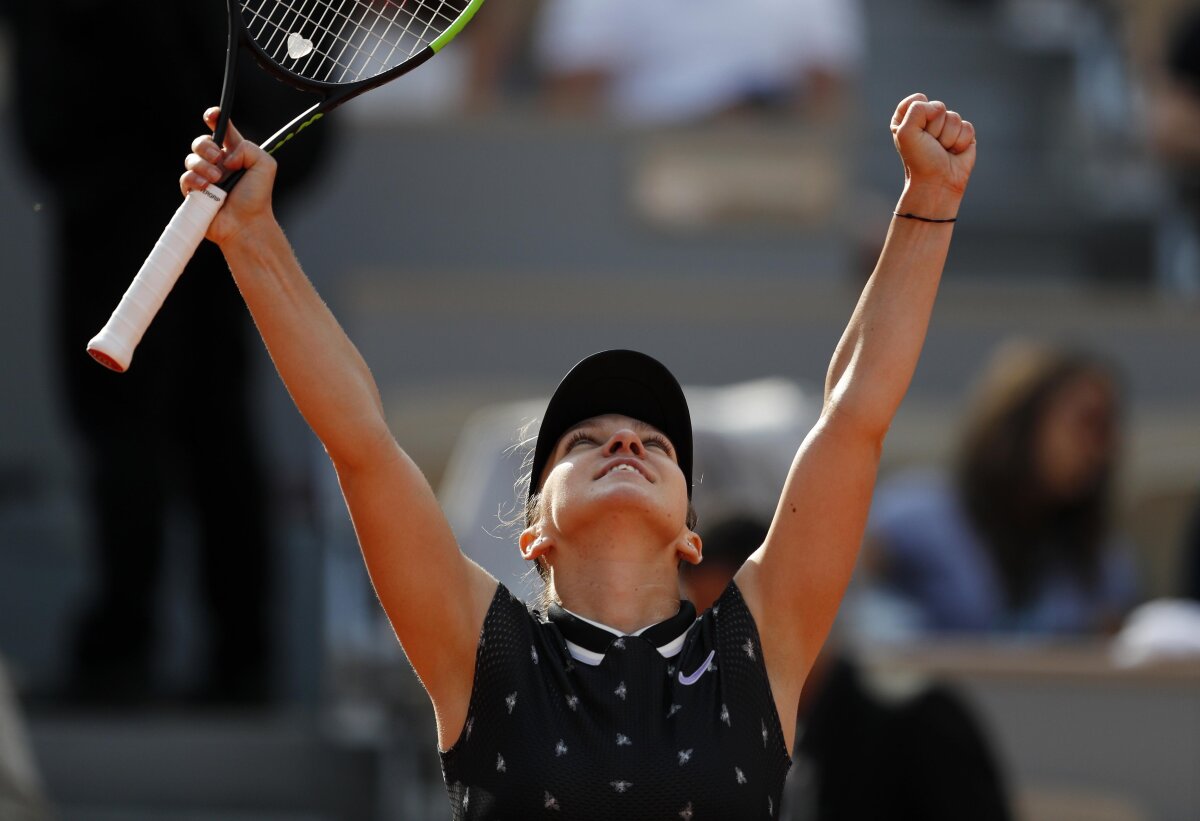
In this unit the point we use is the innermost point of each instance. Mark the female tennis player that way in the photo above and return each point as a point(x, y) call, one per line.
point(616, 701)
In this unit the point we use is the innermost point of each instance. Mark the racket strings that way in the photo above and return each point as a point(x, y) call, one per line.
point(343, 33)
point(344, 41)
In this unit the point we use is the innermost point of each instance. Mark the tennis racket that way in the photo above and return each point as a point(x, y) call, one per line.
point(338, 49)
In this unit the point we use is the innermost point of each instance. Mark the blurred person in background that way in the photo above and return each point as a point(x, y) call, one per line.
point(928, 754)
point(888, 749)
point(1191, 556)
point(1017, 537)
point(680, 61)
point(173, 435)
point(1174, 120)
point(502, 69)
point(1175, 136)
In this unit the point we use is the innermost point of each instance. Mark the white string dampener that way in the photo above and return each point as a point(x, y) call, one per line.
point(113, 347)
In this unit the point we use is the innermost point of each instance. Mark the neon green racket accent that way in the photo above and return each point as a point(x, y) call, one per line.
point(452, 32)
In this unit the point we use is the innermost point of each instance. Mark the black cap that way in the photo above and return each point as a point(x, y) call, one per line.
point(625, 382)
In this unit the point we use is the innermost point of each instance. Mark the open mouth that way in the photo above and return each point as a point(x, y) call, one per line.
point(623, 466)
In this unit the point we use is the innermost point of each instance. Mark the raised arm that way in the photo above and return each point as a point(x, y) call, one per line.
point(435, 597)
point(794, 583)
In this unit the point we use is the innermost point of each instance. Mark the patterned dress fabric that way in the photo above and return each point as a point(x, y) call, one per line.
point(571, 720)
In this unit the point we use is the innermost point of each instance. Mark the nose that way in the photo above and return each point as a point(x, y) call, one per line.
point(624, 440)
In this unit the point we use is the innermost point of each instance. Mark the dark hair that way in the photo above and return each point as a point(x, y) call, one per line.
point(1018, 520)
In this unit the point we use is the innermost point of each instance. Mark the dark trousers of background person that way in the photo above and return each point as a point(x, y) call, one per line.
point(108, 138)
point(174, 432)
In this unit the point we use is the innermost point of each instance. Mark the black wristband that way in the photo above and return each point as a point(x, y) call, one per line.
point(922, 219)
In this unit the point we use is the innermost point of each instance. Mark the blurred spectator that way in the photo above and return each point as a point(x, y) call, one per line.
point(1175, 132)
point(501, 54)
point(927, 753)
point(1191, 556)
point(675, 61)
point(922, 749)
point(1017, 539)
point(172, 436)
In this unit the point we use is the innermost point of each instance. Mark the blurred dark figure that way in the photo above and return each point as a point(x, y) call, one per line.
point(1174, 95)
point(1175, 136)
point(866, 749)
point(1191, 557)
point(921, 748)
point(1017, 539)
point(174, 433)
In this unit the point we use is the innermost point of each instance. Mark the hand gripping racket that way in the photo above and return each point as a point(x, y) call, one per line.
point(336, 48)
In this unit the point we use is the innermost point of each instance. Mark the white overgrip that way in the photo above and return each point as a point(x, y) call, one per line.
point(113, 347)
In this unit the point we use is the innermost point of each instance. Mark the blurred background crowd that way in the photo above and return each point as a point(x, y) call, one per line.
point(186, 630)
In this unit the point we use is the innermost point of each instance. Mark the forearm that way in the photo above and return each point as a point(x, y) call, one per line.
point(874, 362)
point(322, 370)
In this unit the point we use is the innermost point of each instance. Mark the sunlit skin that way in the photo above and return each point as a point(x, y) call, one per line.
point(613, 523)
point(792, 585)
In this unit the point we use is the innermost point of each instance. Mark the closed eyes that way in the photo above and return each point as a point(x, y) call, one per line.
point(576, 438)
point(649, 438)
point(659, 441)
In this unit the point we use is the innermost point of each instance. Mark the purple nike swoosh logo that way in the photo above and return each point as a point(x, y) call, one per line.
point(694, 677)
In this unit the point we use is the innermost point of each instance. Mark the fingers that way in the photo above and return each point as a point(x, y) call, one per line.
point(951, 128)
point(917, 113)
point(966, 138)
point(210, 163)
point(927, 116)
point(233, 137)
point(903, 107)
point(202, 167)
point(206, 164)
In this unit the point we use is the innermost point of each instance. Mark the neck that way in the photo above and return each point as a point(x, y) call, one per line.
point(624, 593)
point(614, 564)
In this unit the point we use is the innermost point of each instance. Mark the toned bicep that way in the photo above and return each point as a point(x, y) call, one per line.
point(794, 583)
point(434, 596)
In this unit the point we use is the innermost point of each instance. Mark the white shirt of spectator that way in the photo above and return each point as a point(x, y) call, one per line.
point(677, 60)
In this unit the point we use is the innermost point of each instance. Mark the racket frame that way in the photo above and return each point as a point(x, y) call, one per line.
point(332, 94)
point(116, 342)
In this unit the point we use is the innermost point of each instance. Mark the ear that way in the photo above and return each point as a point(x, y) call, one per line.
point(690, 547)
point(534, 544)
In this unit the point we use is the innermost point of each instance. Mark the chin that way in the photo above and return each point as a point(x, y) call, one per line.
point(634, 506)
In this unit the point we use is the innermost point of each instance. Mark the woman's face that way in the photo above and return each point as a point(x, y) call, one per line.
point(614, 464)
point(1077, 436)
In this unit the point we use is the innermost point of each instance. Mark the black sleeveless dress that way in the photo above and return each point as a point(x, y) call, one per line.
point(568, 720)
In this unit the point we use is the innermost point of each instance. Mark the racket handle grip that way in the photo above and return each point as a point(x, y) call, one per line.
point(113, 347)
